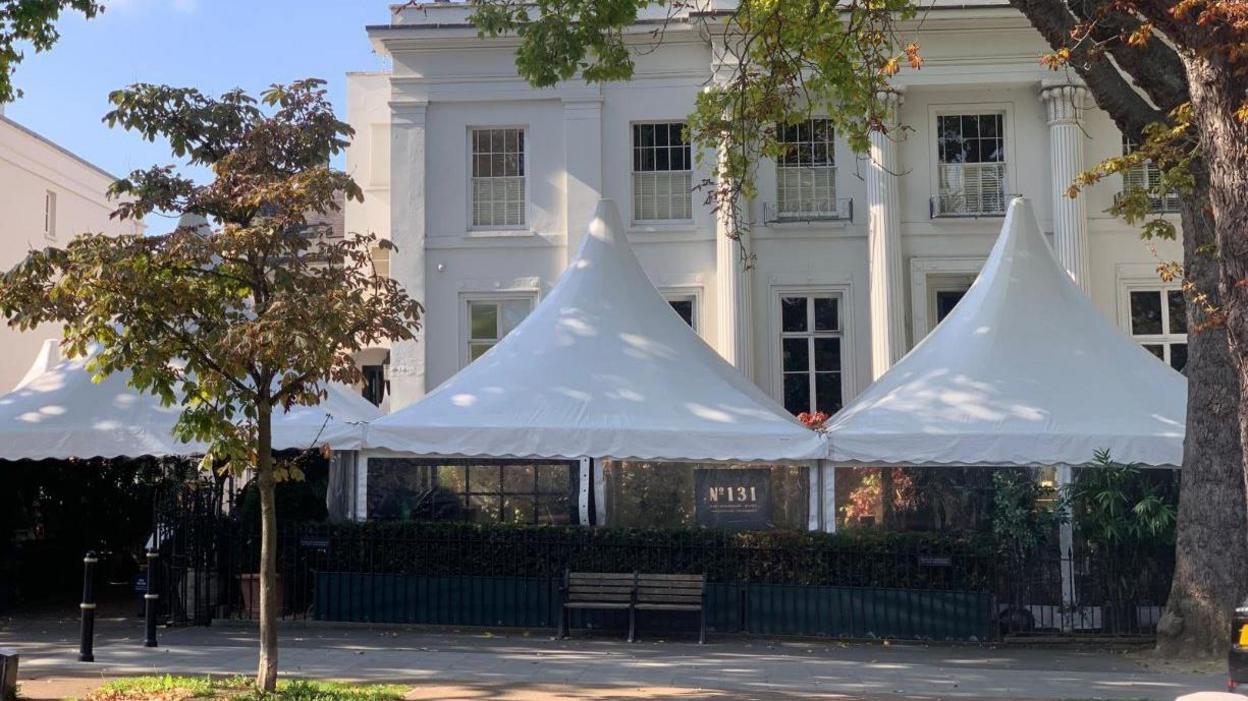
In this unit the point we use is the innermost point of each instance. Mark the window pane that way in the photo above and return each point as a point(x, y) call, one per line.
point(554, 479)
point(797, 392)
point(483, 317)
point(1145, 312)
point(518, 509)
point(451, 477)
point(946, 300)
point(476, 350)
point(498, 177)
point(1178, 356)
point(554, 509)
point(1178, 311)
point(484, 508)
point(683, 307)
point(483, 478)
point(826, 314)
point(827, 354)
point(796, 352)
point(513, 312)
point(828, 391)
point(519, 479)
point(793, 314)
point(1156, 349)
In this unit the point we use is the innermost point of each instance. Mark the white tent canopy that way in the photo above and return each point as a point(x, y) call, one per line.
point(603, 368)
point(1024, 371)
point(60, 413)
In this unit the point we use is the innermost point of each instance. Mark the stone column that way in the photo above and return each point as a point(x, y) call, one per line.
point(582, 153)
point(732, 257)
point(407, 231)
point(1064, 103)
point(732, 293)
point(887, 302)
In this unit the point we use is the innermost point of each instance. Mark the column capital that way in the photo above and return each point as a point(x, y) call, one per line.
point(892, 96)
point(891, 99)
point(409, 112)
point(1064, 101)
point(580, 96)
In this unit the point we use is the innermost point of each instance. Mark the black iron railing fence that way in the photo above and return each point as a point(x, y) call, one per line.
point(919, 586)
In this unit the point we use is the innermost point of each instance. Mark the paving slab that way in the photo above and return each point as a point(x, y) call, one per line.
point(508, 665)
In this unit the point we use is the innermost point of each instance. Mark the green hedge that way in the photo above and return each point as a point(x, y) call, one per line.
point(911, 560)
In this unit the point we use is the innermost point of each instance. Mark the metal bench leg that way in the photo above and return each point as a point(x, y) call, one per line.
point(702, 626)
point(632, 624)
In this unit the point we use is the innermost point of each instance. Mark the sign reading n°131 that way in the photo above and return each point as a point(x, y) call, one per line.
point(731, 498)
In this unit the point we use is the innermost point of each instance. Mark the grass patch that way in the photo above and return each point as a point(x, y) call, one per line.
point(170, 688)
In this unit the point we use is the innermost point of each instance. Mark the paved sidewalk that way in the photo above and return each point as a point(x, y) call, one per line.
point(480, 665)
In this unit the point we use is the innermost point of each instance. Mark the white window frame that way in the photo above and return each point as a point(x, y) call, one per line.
point(49, 215)
point(925, 274)
point(1149, 284)
point(471, 201)
point(965, 109)
point(776, 335)
point(466, 301)
point(691, 294)
point(632, 172)
point(810, 214)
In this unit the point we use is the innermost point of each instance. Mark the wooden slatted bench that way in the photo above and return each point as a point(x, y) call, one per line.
point(673, 592)
point(597, 590)
point(632, 592)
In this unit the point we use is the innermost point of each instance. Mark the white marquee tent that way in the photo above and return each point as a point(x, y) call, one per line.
point(1024, 371)
point(57, 412)
point(602, 368)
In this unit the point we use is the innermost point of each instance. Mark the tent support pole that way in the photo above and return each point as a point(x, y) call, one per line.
point(361, 488)
point(829, 497)
point(815, 472)
point(600, 491)
point(1066, 542)
point(585, 484)
point(822, 497)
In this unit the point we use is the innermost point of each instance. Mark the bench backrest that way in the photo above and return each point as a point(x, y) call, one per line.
point(600, 586)
point(670, 588)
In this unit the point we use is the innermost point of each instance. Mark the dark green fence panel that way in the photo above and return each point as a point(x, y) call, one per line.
point(530, 602)
point(762, 609)
point(847, 612)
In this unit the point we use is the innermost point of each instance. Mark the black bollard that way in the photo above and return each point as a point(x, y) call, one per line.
point(151, 598)
point(85, 653)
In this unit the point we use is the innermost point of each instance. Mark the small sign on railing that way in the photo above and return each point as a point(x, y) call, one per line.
point(935, 561)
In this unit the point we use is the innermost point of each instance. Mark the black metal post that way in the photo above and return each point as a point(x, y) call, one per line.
point(151, 599)
point(85, 647)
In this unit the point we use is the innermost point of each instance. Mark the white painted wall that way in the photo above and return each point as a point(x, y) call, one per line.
point(976, 58)
point(31, 167)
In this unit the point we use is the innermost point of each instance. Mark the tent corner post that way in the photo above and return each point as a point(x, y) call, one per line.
point(585, 485)
point(360, 510)
point(1066, 543)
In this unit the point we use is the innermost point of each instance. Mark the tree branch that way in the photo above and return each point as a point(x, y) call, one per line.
point(1153, 66)
point(1113, 94)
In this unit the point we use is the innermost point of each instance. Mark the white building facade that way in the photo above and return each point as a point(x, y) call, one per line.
point(486, 185)
point(47, 196)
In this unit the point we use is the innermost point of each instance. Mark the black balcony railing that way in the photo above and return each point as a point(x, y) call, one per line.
point(840, 209)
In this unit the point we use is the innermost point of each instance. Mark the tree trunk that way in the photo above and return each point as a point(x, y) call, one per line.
point(1217, 92)
point(1211, 548)
point(266, 676)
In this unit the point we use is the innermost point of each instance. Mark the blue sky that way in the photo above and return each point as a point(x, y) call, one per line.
point(214, 45)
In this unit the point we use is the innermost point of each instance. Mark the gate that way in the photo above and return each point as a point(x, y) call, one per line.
point(188, 520)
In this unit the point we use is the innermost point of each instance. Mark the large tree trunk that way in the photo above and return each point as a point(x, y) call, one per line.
point(1216, 93)
point(1211, 549)
point(266, 676)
